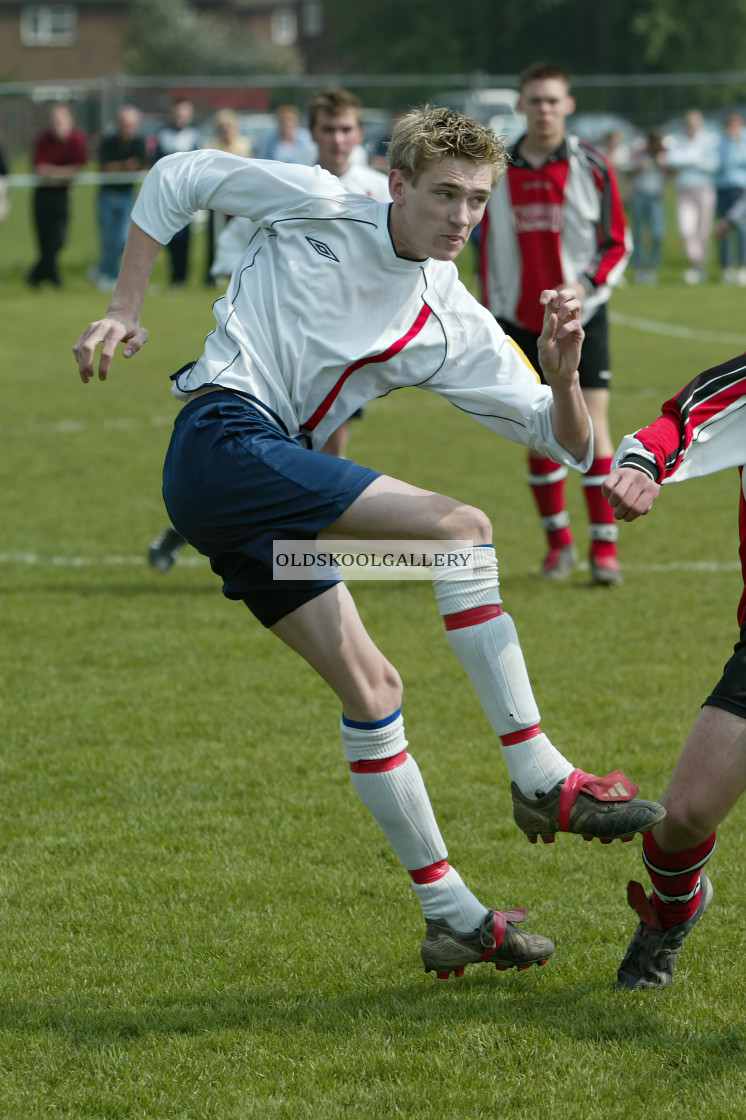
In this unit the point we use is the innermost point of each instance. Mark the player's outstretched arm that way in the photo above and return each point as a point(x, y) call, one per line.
point(122, 321)
point(631, 492)
point(559, 355)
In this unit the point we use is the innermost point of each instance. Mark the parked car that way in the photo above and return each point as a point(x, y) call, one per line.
point(595, 127)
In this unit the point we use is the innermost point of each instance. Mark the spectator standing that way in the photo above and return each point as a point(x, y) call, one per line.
point(291, 142)
point(122, 152)
point(60, 153)
point(556, 220)
point(729, 186)
point(4, 201)
point(180, 135)
point(227, 138)
point(647, 206)
point(693, 156)
point(616, 150)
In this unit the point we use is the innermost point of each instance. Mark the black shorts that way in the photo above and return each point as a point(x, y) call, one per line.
point(594, 360)
point(730, 691)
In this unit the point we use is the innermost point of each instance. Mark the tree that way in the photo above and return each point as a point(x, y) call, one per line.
point(168, 37)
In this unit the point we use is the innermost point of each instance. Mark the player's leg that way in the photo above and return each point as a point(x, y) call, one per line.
point(547, 482)
point(603, 529)
point(687, 218)
point(164, 550)
point(549, 793)
point(328, 633)
point(709, 777)
point(231, 498)
point(337, 442)
point(595, 379)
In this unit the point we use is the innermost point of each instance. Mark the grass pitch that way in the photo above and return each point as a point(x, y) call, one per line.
point(198, 920)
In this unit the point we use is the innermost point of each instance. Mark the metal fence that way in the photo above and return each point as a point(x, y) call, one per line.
point(643, 98)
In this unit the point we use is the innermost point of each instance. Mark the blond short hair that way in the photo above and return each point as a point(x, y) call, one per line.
point(423, 136)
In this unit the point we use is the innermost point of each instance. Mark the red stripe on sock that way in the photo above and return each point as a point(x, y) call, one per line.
point(688, 864)
point(550, 499)
point(432, 873)
point(520, 736)
point(472, 617)
point(379, 765)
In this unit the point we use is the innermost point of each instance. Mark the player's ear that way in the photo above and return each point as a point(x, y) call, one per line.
point(396, 184)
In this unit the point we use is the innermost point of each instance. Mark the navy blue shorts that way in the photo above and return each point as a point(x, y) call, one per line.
point(233, 482)
point(594, 369)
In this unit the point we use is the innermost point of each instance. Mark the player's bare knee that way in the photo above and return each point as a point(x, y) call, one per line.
point(377, 696)
point(687, 823)
point(468, 523)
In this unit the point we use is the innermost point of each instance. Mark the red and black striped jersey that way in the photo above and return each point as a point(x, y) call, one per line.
point(700, 431)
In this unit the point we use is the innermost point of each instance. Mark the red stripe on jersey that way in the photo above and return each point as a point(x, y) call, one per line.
point(520, 736)
point(432, 873)
point(461, 619)
point(379, 765)
point(392, 351)
point(537, 199)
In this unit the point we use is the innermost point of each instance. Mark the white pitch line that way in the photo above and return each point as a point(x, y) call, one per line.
point(673, 330)
point(74, 427)
point(36, 559)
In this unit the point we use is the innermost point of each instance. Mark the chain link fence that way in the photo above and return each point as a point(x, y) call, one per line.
point(644, 99)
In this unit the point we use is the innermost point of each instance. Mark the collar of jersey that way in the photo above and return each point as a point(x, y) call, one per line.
point(560, 152)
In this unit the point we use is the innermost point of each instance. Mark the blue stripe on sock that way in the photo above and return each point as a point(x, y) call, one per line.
point(371, 726)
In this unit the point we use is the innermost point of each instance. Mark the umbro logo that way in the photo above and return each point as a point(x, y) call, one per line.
point(322, 249)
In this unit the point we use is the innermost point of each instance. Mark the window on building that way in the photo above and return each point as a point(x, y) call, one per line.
point(49, 25)
point(284, 26)
point(313, 18)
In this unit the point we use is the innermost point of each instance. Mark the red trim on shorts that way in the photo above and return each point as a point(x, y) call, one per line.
point(461, 619)
point(379, 765)
point(432, 873)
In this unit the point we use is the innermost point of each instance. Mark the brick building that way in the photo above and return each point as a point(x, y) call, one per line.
point(68, 40)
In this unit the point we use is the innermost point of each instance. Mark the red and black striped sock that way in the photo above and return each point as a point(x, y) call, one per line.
point(675, 877)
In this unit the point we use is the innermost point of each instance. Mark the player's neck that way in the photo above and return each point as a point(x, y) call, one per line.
point(536, 149)
point(338, 171)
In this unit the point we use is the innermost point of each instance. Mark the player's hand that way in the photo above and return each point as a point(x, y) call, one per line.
point(562, 336)
point(631, 492)
point(106, 333)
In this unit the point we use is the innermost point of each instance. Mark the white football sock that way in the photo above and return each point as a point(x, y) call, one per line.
point(389, 783)
point(485, 641)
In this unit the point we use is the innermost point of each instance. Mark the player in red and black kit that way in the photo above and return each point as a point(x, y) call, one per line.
point(701, 430)
point(557, 218)
point(60, 152)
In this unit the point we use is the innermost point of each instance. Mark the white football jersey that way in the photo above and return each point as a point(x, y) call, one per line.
point(322, 316)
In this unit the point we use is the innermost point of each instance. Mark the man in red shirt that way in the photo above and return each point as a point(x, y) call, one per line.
point(60, 153)
point(556, 220)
